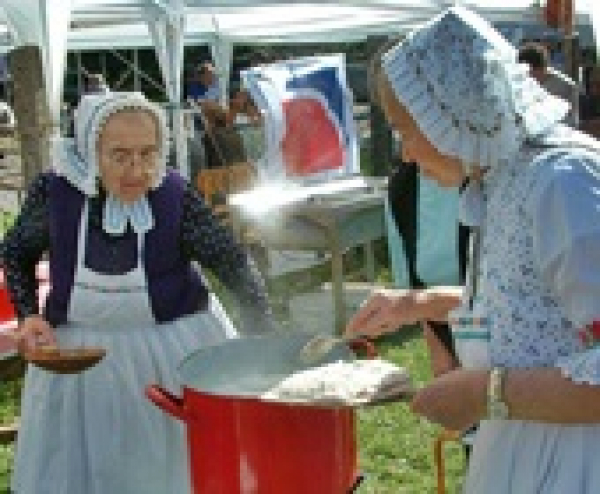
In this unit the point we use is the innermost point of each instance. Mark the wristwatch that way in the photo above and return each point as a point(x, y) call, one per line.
point(497, 408)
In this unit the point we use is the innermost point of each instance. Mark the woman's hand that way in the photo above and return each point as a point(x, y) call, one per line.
point(383, 312)
point(35, 332)
point(387, 310)
point(456, 400)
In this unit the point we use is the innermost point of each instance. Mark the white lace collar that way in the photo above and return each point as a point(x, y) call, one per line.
point(117, 215)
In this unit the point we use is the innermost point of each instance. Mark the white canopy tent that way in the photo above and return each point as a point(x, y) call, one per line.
point(57, 25)
point(168, 25)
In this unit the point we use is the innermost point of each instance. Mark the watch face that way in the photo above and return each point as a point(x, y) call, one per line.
point(498, 410)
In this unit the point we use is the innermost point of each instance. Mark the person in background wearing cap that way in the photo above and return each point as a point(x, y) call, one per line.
point(204, 85)
point(526, 326)
point(95, 83)
point(122, 232)
point(536, 55)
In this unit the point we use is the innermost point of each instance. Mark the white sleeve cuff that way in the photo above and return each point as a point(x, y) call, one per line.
point(582, 367)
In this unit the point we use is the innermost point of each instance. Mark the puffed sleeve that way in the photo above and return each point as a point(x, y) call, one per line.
point(23, 247)
point(566, 240)
point(206, 240)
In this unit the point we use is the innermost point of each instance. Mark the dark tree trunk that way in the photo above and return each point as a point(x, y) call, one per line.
point(31, 110)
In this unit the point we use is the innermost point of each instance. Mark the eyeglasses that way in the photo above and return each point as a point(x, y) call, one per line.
point(124, 158)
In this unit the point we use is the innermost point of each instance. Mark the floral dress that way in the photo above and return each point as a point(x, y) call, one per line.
point(536, 303)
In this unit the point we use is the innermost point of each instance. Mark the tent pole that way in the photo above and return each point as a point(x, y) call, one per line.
point(80, 74)
point(137, 86)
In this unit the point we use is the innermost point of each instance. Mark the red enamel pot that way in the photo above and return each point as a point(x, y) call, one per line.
point(239, 444)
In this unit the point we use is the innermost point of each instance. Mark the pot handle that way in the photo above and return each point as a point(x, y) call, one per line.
point(364, 345)
point(166, 401)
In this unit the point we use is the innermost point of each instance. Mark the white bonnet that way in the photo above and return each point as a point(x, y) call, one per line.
point(461, 82)
point(77, 159)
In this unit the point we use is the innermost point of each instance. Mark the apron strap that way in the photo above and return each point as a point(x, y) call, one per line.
point(82, 235)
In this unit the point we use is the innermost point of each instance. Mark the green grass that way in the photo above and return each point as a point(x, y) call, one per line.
point(395, 446)
point(9, 409)
point(6, 220)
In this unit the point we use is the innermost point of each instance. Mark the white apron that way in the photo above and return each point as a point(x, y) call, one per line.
point(96, 432)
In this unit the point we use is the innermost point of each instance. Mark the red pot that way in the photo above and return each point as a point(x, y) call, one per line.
point(245, 446)
point(239, 444)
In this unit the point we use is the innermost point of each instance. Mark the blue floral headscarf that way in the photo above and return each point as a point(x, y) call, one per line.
point(461, 82)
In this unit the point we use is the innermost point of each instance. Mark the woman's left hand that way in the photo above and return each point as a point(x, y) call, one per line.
point(456, 400)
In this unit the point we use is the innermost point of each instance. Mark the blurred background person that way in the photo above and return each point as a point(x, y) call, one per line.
point(95, 84)
point(589, 105)
point(537, 56)
point(204, 84)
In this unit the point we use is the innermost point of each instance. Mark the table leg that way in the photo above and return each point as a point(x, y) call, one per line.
point(337, 284)
point(369, 261)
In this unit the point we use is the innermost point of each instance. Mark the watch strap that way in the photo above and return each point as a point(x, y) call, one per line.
point(497, 407)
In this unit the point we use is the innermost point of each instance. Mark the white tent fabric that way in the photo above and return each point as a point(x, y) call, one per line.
point(103, 24)
point(167, 27)
point(595, 21)
point(222, 54)
point(166, 23)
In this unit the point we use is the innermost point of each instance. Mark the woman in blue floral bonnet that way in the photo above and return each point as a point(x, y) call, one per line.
point(527, 324)
point(121, 232)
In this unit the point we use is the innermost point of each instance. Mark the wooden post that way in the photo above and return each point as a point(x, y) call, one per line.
point(571, 52)
point(31, 110)
point(559, 15)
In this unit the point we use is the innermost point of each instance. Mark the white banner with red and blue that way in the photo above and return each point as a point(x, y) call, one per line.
point(308, 119)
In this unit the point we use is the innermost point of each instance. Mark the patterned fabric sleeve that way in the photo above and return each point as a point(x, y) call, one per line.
point(23, 247)
point(566, 224)
point(211, 244)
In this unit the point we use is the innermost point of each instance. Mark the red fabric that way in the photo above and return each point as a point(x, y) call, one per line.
point(312, 142)
point(7, 311)
point(8, 319)
point(595, 330)
point(591, 333)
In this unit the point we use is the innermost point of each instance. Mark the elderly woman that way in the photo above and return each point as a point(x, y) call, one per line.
point(527, 325)
point(122, 233)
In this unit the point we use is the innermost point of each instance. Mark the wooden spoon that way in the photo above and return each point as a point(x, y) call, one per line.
point(65, 360)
